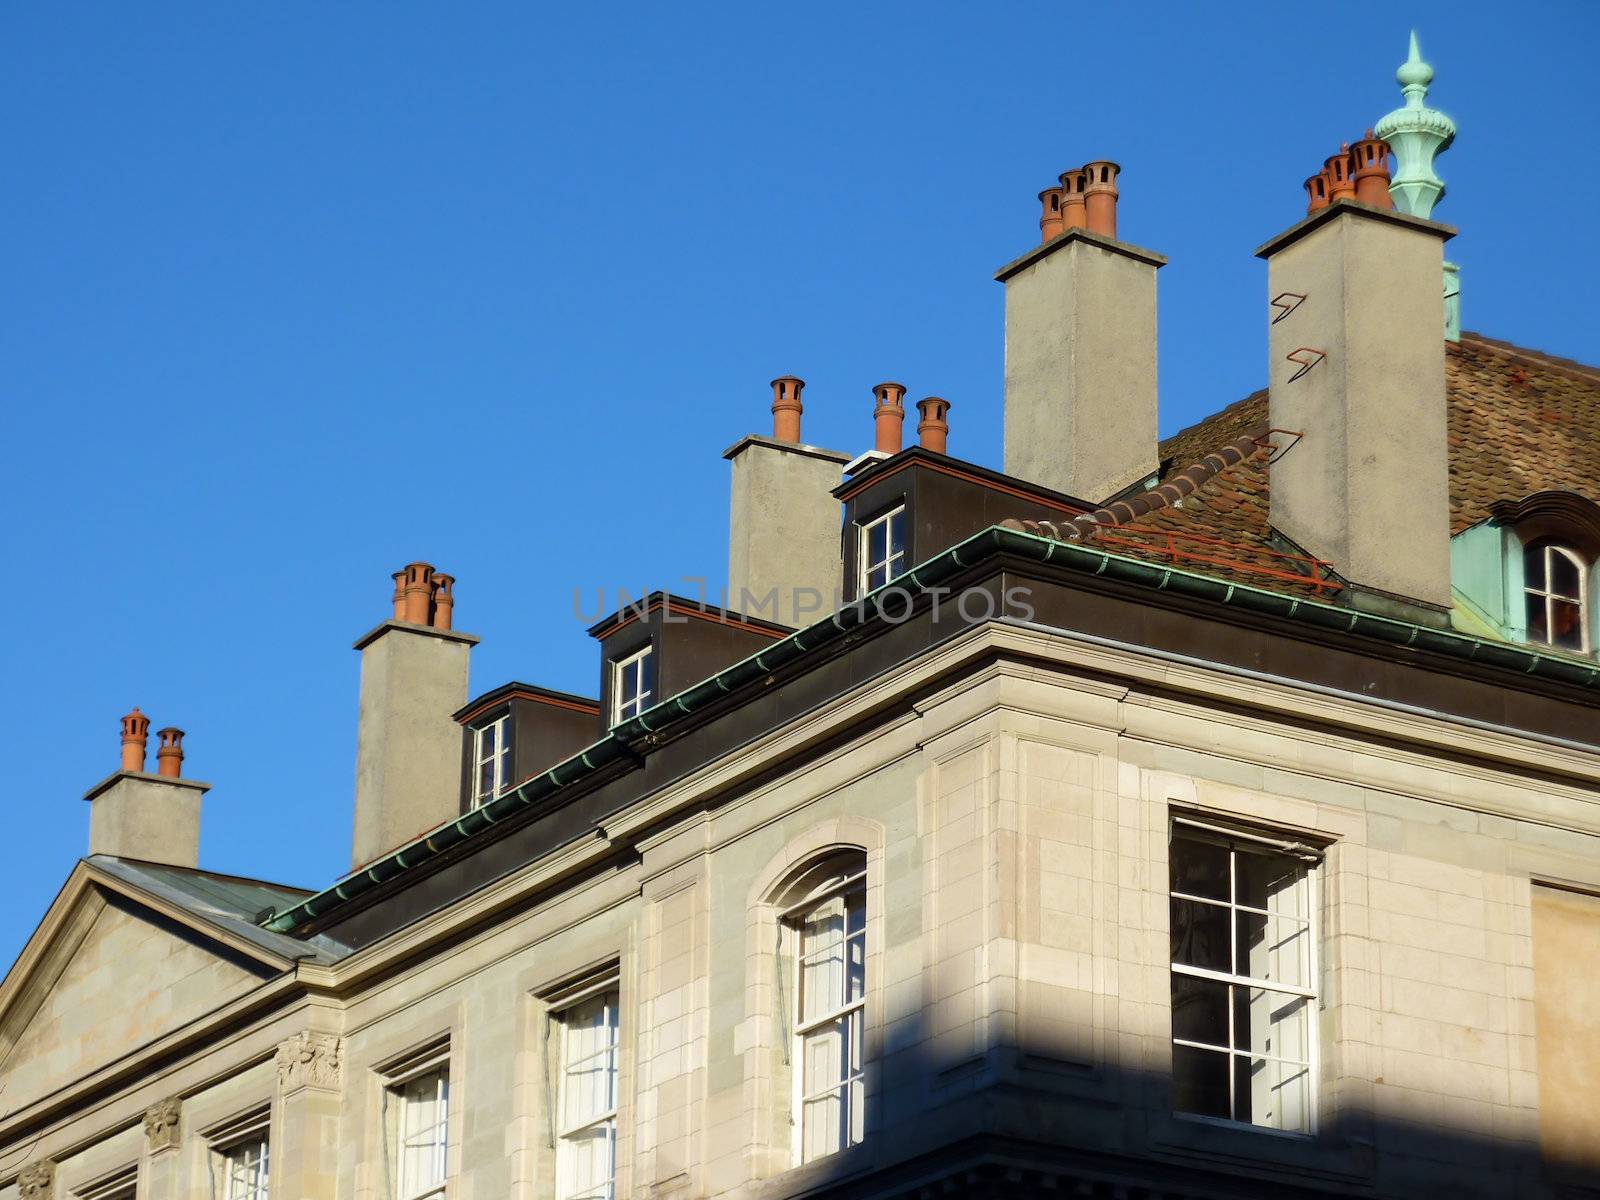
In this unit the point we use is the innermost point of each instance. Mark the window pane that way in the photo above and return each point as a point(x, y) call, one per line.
point(1200, 1082)
point(423, 1124)
point(1200, 935)
point(1199, 868)
point(1567, 621)
point(588, 1163)
point(1538, 626)
point(1273, 949)
point(1199, 1010)
point(1563, 574)
point(1276, 1095)
point(1533, 568)
point(1268, 881)
point(877, 542)
point(897, 534)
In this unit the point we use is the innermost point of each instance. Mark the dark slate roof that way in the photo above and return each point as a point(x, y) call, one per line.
point(229, 902)
point(1520, 422)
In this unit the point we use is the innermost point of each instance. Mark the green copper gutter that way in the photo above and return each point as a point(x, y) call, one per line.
point(614, 747)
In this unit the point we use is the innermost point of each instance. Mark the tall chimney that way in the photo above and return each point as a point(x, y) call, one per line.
point(1080, 374)
point(784, 546)
point(1357, 370)
point(148, 818)
point(408, 747)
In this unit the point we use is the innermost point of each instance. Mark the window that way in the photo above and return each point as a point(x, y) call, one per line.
point(244, 1167)
point(491, 759)
point(828, 928)
point(421, 1107)
point(633, 682)
point(1243, 977)
point(1554, 586)
point(882, 549)
point(586, 1156)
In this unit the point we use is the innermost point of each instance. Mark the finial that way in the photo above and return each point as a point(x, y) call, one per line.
point(1417, 134)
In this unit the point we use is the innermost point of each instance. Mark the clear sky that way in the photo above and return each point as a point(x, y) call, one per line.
point(297, 293)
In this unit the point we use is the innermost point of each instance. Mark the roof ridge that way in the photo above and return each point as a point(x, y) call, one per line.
point(1566, 366)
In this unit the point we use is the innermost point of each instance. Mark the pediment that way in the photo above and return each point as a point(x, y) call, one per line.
point(107, 972)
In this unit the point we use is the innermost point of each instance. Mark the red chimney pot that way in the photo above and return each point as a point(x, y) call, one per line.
point(1100, 197)
point(135, 736)
point(169, 758)
point(934, 429)
point(889, 418)
point(786, 408)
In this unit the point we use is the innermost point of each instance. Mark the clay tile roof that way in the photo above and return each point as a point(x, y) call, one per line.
point(1520, 422)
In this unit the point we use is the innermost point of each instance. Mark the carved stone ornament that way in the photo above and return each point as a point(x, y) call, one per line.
point(309, 1060)
point(161, 1130)
point(37, 1180)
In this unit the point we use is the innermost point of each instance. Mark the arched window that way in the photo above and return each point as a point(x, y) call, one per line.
point(1554, 586)
point(823, 929)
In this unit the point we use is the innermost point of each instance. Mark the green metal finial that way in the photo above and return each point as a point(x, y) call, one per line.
point(1417, 134)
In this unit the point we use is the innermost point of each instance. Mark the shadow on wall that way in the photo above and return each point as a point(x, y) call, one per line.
point(1037, 1115)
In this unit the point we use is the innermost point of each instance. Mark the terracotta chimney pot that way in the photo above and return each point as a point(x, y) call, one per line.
point(1050, 217)
point(417, 593)
point(1073, 215)
point(1370, 159)
point(444, 600)
point(889, 417)
point(1100, 197)
point(1337, 168)
point(169, 758)
point(399, 595)
point(1316, 192)
point(934, 429)
point(135, 736)
point(786, 408)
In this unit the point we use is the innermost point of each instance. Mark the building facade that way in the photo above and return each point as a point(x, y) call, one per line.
point(1209, 817)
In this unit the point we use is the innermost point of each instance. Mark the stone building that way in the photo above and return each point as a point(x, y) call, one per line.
point(1112, 825)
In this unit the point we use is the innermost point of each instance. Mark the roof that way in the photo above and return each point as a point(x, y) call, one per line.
point(231, 902)
point(1520, 422)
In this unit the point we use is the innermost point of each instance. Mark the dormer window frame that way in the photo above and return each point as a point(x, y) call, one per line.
point(498, 757)
point(1545, 597)
point(893, 561)
point(641, 662)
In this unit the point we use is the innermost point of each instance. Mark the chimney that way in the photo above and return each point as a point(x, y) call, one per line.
point(408, 746)
point(149, 818)
point(889, 418)
point(933, 431)
point(1080, 373)
point(1050, 218)
point(1369, 159)
point(1336, 170)
point(1357, 370)
point(784, 546)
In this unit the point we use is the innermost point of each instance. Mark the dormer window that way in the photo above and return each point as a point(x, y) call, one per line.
point(1554, 587)
point(491, 759)
point(882, 549)
point(633, 685)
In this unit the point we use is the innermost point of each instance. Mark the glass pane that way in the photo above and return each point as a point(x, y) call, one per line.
point(1200, 935)
point(486, 741)
point(647, 676)
point(1269, 881)
point(589, 1084)
point(1563, 574)
point(1538, 626)
point(1200, 1082)
point(1199, 867)
point(897, 534)
point(877, 542)
point(1533, 566)
point(1272, 1023)
point(823, 1056)
point(485, 787)
point(1274, 1094)
point(1275, 949)
point(588, 1163)
point(823, 1119)
point(1567, 621)
point(877, 578)
point(1199, 1010)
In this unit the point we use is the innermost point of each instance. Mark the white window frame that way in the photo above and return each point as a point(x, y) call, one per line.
point(500, 757)
point(853, 887)
point(246, 1134)
point(1548, 549)
point(643, 699)
point(892, 563)
point(1311, 861)
point(566, 1136)
point(436, 1066)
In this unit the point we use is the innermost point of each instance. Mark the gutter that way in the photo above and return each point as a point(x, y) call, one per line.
point(615, 746)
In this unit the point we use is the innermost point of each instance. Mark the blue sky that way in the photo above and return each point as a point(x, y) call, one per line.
point(296, 294)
